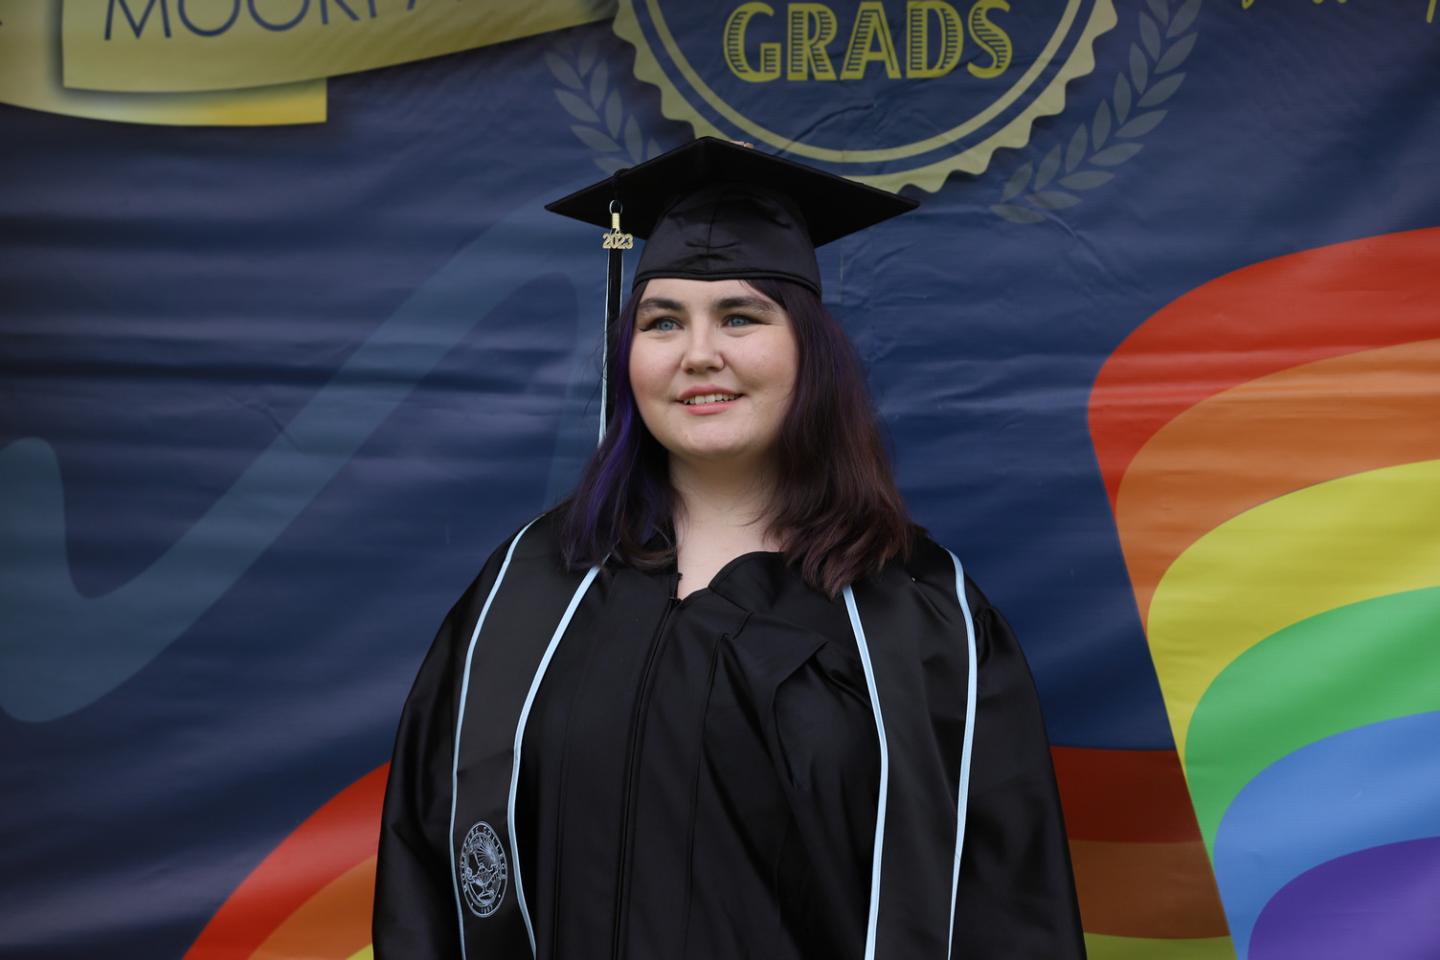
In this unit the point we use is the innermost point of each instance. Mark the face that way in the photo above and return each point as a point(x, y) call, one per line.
point(712, 366)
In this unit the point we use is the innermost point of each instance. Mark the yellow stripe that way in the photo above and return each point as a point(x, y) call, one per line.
point(367, 954)
point(1327, 546)
point(1139, 948)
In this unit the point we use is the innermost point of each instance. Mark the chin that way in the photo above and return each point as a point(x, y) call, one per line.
point(716, 449)
point(715, 453)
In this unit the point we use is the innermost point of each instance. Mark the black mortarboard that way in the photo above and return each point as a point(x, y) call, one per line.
point(716, 210)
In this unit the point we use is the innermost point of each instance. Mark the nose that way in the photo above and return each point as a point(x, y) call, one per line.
point(702, 350)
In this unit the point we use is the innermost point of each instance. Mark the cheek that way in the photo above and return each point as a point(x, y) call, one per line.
point(650, 384)
point(646, 373)
point(781, 368)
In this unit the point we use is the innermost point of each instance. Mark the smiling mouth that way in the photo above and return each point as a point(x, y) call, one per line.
point(705, 398)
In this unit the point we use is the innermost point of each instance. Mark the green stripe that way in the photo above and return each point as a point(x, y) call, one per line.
point(1338, 670)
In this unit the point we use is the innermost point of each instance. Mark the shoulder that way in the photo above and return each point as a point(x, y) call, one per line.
point(933, 583)
point(941, 575)
point(531, 549)
point(537, 541)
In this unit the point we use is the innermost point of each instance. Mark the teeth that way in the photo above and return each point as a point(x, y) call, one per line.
point(711, 398)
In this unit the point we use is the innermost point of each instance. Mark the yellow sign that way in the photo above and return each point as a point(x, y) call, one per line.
point(1429, 8)
point(187, 45)
point(30, 77)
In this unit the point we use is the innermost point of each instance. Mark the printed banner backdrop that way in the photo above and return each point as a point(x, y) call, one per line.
point(288, 350)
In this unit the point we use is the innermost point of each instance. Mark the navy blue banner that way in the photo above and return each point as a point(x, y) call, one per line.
point(272, 394)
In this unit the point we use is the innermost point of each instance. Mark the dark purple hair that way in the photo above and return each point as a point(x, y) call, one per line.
point(835, 507)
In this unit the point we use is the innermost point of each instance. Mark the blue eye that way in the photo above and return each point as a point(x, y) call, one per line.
point(736, 320)
point(664, 325)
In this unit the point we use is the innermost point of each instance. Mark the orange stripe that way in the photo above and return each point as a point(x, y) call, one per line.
point(1276, 435)
point(1140, 866)
point(1161, 890)
point(1124, 795)
point(1271, 316)
point(341, 835)
point(332, 925)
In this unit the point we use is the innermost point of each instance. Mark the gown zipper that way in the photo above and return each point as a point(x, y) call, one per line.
point(632, 764)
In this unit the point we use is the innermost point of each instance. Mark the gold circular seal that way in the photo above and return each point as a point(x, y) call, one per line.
point(1002, 118)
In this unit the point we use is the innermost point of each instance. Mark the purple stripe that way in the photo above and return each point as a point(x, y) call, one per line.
point(1383, 903)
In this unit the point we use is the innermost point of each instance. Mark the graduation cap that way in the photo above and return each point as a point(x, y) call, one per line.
point(716, 210)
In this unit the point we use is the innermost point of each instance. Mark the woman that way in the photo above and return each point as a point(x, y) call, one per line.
point(726, 701)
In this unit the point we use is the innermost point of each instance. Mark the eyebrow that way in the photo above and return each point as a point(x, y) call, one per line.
point(725, 303)
point(660, 303)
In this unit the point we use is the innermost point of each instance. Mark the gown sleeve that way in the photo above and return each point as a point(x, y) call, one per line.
point(1016, 896)
point(415, 910)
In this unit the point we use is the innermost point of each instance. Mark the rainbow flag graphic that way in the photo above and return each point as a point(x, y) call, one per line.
point(1271, 446)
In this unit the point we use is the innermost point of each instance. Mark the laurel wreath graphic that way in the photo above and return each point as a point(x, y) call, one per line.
point(1085, 161)
point(586, 94)
point(1112, 136)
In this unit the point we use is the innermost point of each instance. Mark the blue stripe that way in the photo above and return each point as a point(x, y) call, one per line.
point(884, 773)
point(962, 797)
point(520, 736)
point(460, 725)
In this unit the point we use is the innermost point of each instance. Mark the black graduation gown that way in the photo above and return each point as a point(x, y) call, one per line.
point(707, 778)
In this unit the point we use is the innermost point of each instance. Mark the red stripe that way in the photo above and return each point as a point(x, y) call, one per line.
point(334, 839)
point(1140, 865)
point(1135, 796)
point(1259, 320)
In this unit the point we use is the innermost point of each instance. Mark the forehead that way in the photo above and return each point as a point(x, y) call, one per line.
point(699, 294)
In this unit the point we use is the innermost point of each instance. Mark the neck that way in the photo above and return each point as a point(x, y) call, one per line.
point(728, 500)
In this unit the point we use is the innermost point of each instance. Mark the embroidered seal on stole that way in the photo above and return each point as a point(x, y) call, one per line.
point(484, 870)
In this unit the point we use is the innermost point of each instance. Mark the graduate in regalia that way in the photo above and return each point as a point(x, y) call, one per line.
point(725, 701)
